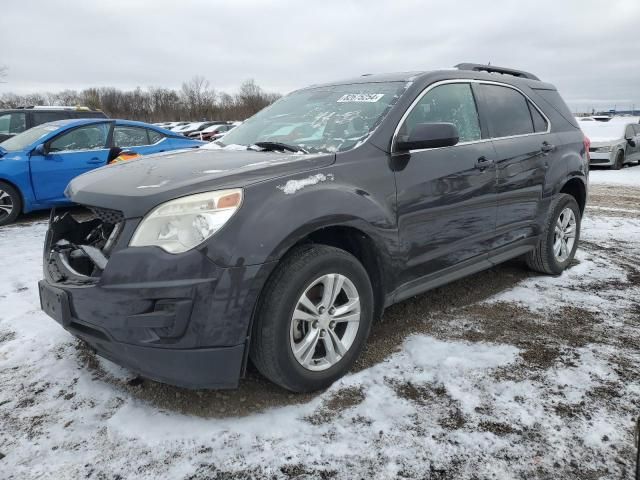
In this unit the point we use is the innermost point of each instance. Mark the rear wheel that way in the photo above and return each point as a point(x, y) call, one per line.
point(10, 204)
point(313, 319)
point(559, 240)
point(619, 160)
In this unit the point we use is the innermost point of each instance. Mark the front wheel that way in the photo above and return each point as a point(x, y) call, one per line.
point(10, 204)
point(619, 160)
point(313, 319)
point(559, 240)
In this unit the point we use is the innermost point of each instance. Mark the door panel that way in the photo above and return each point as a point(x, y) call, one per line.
point(446, 198)
point(446, 208)
point(52, 173)
point(521, 169)
point(523, 150)
point(71, 153)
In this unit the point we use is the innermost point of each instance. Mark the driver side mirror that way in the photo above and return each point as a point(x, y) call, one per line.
point(631, 142)
point(41, 150)
point(429, 135)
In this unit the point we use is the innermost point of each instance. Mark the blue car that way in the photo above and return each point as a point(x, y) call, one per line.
point(37, 165)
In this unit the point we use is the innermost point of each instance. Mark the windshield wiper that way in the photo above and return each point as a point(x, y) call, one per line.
point(277, 146)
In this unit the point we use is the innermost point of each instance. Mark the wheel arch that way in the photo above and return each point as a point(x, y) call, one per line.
point(351, 239)
point(577, 189)
point(23, 201)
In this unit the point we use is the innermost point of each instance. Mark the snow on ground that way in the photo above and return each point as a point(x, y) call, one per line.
point(537, 379)
point(627, 176)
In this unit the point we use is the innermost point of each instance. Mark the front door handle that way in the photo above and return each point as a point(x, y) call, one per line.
point(483, 162)
point(546, 147)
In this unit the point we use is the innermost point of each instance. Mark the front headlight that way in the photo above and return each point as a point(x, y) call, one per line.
point(182, 224)
point(606, 148)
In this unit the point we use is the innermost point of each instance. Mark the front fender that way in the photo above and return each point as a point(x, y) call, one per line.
point(278, 213)
point(14, 169)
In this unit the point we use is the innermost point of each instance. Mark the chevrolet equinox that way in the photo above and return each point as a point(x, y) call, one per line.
point(285, 240)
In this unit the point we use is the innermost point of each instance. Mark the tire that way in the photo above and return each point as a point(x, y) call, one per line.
point(544, 258)
point(619, 160)
point(10, 204)
point(276, 331)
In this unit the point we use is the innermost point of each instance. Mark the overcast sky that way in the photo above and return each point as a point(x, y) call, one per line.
point(590, 49)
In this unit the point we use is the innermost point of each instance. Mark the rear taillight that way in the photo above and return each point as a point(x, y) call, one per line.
point(587, 145)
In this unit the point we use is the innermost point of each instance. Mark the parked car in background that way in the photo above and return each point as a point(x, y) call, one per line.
point(286, 252)
point(37, 165)
point(177, 126)
point(17, 120)
point(195, 127)
point(614, 143)
point(213, 132)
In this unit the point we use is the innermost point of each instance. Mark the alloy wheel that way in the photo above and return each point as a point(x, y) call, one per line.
point(6, 204)
point(564, 235)
point(325, 322)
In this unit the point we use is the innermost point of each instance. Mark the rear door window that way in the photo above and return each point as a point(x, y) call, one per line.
point(124, 136)
point(154, 137)
point(12, 123)
point(450, 103)
point(507, 111)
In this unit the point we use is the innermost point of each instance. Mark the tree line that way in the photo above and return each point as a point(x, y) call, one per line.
point(195, 100)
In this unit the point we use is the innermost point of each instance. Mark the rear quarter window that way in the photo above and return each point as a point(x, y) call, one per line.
point(555, 101)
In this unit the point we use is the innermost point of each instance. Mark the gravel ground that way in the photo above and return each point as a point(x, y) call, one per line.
point(504, 374)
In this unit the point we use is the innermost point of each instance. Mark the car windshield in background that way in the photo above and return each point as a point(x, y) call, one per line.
point(24, 139)
point(325, 119)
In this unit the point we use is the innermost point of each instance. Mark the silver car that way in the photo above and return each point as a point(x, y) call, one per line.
point(614, 143)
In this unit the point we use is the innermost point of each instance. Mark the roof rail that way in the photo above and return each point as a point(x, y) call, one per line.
point(57, 107)
point(478, 67)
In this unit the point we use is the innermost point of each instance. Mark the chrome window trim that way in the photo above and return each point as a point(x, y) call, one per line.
point(58, 152)
point(482, 140)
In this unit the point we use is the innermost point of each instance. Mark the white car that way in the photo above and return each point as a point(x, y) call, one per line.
point(183, 126)
point(212, 131)
point(613, 143)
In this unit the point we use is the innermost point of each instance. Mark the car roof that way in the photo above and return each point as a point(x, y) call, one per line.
point(67, 122)
point(426, 76)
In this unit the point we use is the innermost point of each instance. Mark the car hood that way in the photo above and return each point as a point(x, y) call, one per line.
point(136, 186)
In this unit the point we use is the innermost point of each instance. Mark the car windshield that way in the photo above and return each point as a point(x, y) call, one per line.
point(24, 139)
point(325, 119)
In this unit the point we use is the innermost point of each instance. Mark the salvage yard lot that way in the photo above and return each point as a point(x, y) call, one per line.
point(504, 374)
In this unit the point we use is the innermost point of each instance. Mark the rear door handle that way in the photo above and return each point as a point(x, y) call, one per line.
point(95, 160)
point(547, 147)
point(483, 162)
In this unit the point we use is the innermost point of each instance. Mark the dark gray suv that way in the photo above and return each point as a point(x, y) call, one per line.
point(282, 243)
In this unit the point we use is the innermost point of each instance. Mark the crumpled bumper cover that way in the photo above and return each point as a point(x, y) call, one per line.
point(178, 319)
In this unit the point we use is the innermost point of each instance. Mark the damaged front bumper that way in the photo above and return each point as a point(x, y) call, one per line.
point(179, 319)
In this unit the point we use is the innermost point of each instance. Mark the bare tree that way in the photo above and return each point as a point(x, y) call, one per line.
point(3, 72)
point(196, 100)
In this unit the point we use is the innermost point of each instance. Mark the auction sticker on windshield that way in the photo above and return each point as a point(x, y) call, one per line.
point(360, 97)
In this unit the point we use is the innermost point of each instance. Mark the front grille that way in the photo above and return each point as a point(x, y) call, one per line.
point(599, 160)
point(107, 215)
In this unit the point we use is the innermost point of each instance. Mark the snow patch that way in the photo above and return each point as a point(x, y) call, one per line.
point(292, 186)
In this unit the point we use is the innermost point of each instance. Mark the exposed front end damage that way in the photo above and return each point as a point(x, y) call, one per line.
point(166, 316)
point(77, 251)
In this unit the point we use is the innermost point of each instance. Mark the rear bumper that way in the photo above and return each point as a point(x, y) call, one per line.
point(178, 319)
